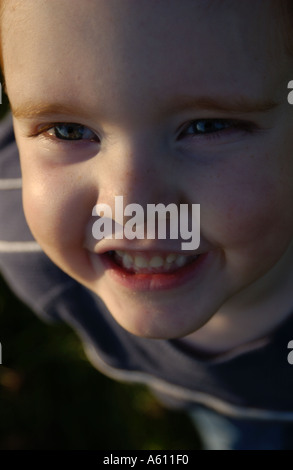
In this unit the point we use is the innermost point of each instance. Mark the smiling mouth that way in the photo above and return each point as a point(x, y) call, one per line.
point(150, 271)
point(150, 263)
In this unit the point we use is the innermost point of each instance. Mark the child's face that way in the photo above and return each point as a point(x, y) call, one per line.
point(143, 77)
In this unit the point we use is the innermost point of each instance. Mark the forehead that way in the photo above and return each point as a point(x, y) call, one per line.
point(148, 46)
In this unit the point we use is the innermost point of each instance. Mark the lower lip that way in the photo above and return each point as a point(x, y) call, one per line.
point(153, 282)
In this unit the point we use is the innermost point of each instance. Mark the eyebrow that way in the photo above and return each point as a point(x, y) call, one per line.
point(238, 104)
point(33, 110)
point(232, 104)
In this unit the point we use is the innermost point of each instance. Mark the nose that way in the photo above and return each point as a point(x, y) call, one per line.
point(139, 168)
point(140, 185)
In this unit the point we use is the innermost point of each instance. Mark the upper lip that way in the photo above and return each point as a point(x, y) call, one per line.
point(139, 246)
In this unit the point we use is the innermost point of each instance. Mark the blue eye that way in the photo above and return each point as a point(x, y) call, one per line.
point(208, 126)
point(71, 132)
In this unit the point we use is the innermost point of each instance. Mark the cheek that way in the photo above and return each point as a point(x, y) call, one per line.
point(246, 211)
point(257, 233)
point(57, 205)
point(239, 216)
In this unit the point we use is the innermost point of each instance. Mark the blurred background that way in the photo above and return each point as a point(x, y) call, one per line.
point(52, 398)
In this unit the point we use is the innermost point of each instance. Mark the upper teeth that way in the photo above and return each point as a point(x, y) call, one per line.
point(143, 262)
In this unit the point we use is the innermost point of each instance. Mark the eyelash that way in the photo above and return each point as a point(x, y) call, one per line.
point(74, 126)
point(221, 126)
point(228, 126)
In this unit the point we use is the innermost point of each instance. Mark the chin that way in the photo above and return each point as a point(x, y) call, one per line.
point(155, 322)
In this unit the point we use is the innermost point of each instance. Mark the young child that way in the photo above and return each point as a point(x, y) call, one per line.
point(181, 102)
